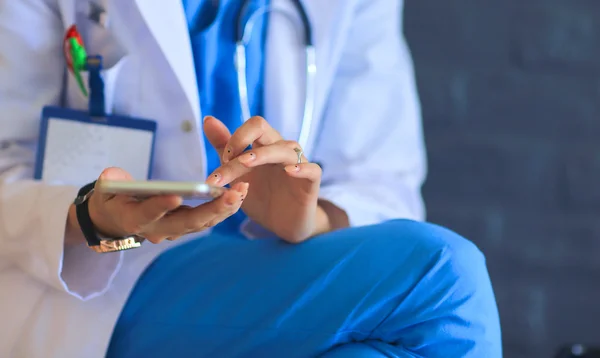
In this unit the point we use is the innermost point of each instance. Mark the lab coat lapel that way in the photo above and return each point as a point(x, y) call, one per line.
point(285, 74)
point(330, 20)
point(167, 23)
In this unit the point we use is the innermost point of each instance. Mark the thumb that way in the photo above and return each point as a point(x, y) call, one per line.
point(98, 210)
point(217, 133)
point(114, 173)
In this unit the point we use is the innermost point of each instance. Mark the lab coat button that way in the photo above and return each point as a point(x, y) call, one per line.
point(187, 126)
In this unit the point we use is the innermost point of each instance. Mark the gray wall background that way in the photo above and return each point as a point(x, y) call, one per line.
point(511, 99)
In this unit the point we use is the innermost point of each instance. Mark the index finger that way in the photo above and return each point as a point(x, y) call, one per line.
point(196, 219)
point(217, 133)
point(255, 131)
point(135, 215)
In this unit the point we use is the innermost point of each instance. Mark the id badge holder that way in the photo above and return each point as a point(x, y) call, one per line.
point(76, 146)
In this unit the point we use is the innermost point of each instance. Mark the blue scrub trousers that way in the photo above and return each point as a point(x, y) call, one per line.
point(398, 289)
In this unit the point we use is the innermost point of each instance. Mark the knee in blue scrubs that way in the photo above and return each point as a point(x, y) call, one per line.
point(400, 289)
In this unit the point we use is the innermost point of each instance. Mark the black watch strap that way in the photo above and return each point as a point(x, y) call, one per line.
point(89, 231)
point(83, 214)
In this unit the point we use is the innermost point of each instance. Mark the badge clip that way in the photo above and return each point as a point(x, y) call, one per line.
point(78, 61)
point(96, 86)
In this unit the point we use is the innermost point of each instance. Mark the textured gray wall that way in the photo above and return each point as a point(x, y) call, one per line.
point(511, 100)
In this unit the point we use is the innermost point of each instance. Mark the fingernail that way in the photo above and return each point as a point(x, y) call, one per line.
point(246, 158)
point(295, 168)
point(226, 154)
point(205, 118)
point(214, 178)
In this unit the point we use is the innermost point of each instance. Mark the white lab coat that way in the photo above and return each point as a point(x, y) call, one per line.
point(367, 136)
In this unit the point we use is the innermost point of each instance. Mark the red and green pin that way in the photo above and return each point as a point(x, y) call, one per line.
point(75, 55)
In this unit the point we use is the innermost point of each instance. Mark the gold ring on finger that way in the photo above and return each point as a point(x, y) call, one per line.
point(299, 153)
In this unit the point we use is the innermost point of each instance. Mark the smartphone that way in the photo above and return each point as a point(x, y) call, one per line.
point(145, 189)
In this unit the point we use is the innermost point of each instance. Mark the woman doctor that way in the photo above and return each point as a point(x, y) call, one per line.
point(363, 280)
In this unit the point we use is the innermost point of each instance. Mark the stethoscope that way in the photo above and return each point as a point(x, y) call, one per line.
point(207, 14)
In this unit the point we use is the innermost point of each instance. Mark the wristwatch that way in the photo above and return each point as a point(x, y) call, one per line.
point(94, 240)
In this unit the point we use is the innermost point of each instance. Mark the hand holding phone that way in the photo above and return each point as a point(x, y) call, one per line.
point(162, 215)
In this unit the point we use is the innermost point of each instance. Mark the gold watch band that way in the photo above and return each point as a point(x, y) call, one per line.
point(120, 244)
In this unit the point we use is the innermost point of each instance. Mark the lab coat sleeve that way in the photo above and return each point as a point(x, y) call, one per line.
point(33, 214)
point(371, 144)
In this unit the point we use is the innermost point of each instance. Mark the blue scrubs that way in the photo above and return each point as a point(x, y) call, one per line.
point(214, 50)
point(399, 289)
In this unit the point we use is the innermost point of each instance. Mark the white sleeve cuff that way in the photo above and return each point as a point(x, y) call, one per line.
point(371, 204)
point(78, 270)
point(364, 204)
point(86, 274)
